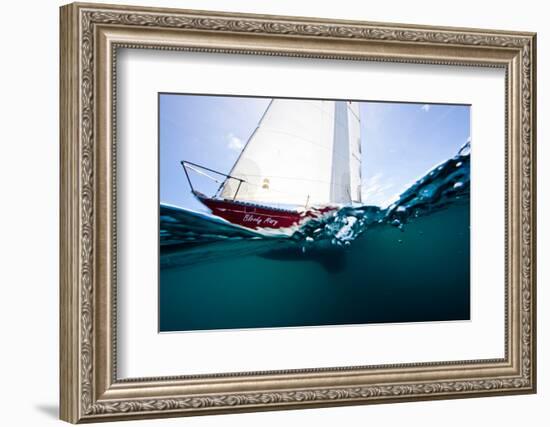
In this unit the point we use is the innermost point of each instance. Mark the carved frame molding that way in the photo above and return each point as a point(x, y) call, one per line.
point(90, 36)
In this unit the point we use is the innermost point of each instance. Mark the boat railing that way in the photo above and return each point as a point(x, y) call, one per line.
point(201, 171)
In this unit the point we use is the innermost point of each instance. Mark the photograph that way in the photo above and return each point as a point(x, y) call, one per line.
point(290, 212)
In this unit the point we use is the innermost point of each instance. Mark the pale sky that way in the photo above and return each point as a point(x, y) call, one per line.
point(400, 142)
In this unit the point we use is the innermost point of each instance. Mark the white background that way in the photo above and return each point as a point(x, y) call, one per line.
point(29, 214)
point(145, 353)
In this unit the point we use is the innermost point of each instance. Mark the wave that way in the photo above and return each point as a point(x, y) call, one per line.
point(444, 185)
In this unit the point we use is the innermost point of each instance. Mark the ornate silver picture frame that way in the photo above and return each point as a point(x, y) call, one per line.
point(91, 37)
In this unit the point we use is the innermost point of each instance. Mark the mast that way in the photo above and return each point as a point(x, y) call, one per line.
point(354, 135)
point(346, 159)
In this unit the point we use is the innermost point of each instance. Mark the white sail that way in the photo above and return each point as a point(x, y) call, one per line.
point(303, 152)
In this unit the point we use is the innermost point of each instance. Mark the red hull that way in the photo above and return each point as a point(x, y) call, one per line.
point(256, 216)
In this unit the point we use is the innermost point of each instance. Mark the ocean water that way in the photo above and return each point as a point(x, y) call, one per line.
point(409, 262)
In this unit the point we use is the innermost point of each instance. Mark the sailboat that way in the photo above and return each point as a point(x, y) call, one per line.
point(302, 161)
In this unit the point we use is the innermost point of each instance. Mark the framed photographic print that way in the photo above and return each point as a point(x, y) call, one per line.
point(266, 212)
point(315, 199)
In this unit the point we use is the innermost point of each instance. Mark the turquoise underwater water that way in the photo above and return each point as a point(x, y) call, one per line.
point(407, 263)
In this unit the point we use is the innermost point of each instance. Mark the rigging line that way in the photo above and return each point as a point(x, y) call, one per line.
point(203, 173)
point(344, 122)
point(355, 115)
point(250, 138)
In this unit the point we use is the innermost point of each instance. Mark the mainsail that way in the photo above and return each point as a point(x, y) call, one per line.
point(303, 152)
